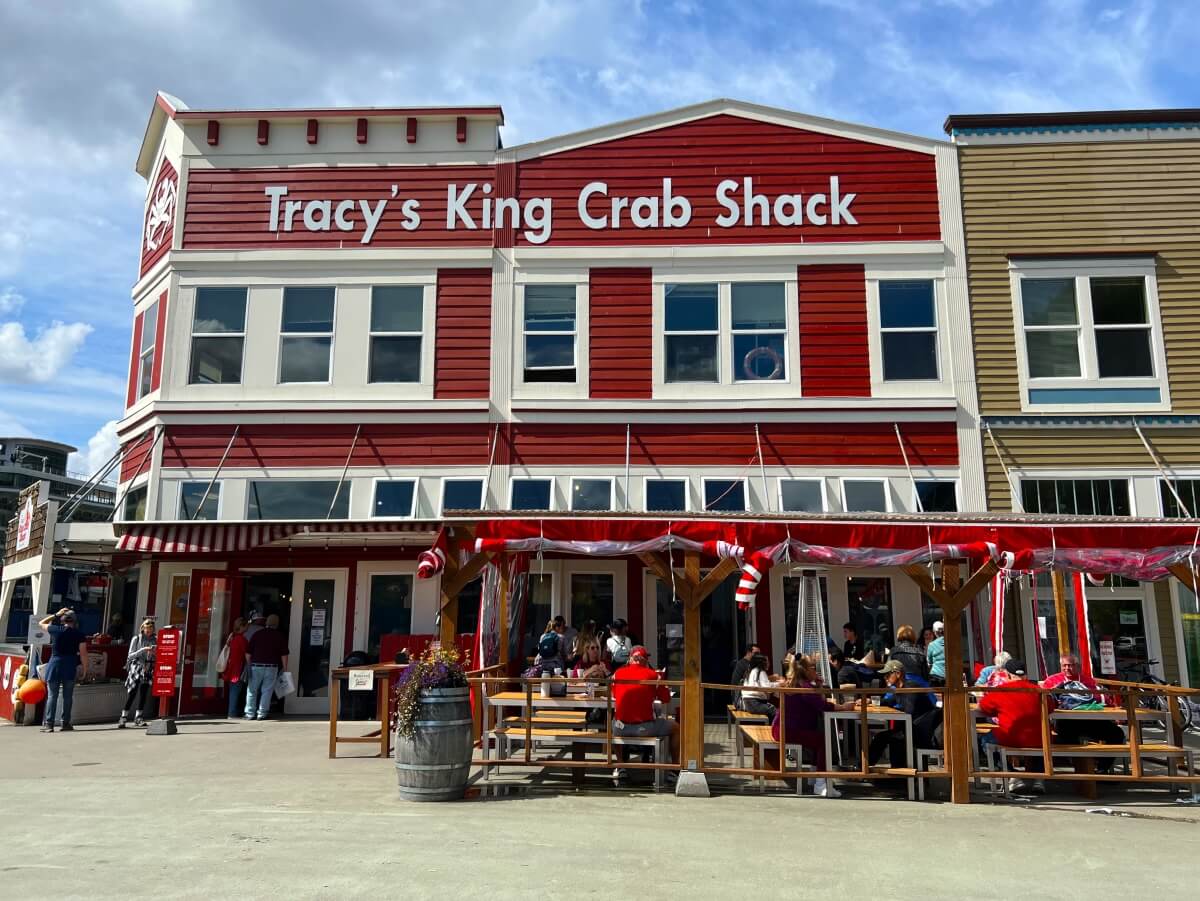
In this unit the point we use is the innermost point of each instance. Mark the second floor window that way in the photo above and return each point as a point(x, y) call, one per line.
point(666, 494)
point(531, 494)
point(725, 495)
point(691, 330)
point(218, 336)
point(194, 504)
point(1077, 497)
point(908, 330)
point(550, 333)
point(725, 333)
point(395, 498)
point(284, 499)
point(462, 494)
point(397, 313)
point(146, 351)
point(1189, 493)
point(306, 341)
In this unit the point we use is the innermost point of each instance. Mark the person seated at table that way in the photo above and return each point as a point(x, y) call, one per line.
point(633, 705)
point(619, 644)
point(550, 655)
point(590, 663)
point(926, 718)
point(1077, 731)
point(926, 637)
point(754, 700)
point(935, 653)
point(993, 675)
point(587, 634)
point(802, 719)
point(852, 649)
point(1018, 717)
point(741, 667)
point(911, 657)
point(841, 672)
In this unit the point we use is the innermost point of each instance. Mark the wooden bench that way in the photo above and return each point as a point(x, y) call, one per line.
point(760, 739)
point(1093, 751)
point(576, 737)
point(739, 717)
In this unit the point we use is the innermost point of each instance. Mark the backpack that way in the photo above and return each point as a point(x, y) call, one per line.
point(1073, 696)
point(548, 645)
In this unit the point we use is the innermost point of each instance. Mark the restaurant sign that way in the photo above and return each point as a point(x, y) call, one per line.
point(25, 524)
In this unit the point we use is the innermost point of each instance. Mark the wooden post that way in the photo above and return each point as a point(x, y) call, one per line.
point(692, 706)
point(957, 715)
point(449, 628)
point(502, 562)
point(1062, 621)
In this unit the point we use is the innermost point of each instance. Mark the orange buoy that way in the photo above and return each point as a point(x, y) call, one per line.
point(32, 691)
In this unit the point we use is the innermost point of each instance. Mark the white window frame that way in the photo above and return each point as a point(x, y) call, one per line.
point(1090, 475)
point(579, 388)
point(820, 484)
point(913, 492)
point(704, 491)
point(512, 483)
point(1082, 271)
point(146, 354)
point(588, 567)
point(483, 487)
point(1179, 476)
point(687, 492)
point(283, 336)
point(425, 374)
point(612, 491)
point(193, 335)
point(347, 486)
point(943, 385)
point(412, 510)
point(727, 386)
point(216, 487)
point(913, 330)
point(888, 503)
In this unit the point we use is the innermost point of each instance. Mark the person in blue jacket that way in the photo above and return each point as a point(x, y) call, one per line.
point(68, 650)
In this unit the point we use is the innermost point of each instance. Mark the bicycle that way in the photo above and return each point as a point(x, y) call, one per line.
point(1189, 711)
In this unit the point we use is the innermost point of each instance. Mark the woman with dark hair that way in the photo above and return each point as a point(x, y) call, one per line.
point(753, 699)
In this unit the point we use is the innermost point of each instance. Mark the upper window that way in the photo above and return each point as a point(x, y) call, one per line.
point(550, 333)
point(937, 496)
point(298, 499)
point(667, 495)
point(801, 495)
point(865, 495)
point(591, 494)
point(725, 333)
point(1189, 492)
point(531, 494)
point(135, 504)
point(725, 495)
point(1078, 497)
point(462, 494)
point(908, 330)
point(397, 313)
point(198, 501)
point(306, 339)
point(218, 334)
point(395, 498)
point(146, 351)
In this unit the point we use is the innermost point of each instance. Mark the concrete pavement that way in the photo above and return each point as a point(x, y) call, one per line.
point(256, 810)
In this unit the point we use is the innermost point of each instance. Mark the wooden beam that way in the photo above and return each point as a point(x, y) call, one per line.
point(715, 577)
point(956, 713)
point(1061, 618)
point(658, 565)
point(504, 636)
point(1184, 574)
point(919, 573)
point(466, 572)
point(692, 703)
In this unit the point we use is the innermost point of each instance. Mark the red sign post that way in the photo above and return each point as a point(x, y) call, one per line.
point(166, 664)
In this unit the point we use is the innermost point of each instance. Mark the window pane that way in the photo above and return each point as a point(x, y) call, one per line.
point(871, 612)
point(591, 598)
point(1119, 301)
point(1076, 497)
point(759, 306)
point(1052, 354)
point(1030, 502)
point(937, 497)
point(725, 495)
point(758, 357)
point(541, 592)
point(1049, 301)
point(297, 499)
point(396, 308)
point(591, 494)
point(304, 360)
point(865, 497)
point(146, 367)
point(395, 359)
point(149, 326)
point(801, 496)
point(468, 607)
point(691, 308)
point(307, 310)
point(190, 495)
point(1187, 491)
point(394, 498)
point(691, 358)
point(216, 361)
point(462, 494)
point(909, 356)
point(666, 494)
point(1124, 353)
point(549, 351)
point(391, 608)
point(135, 504)
point(531, 494)
point(220, 310)
point(906, 304)
point(550, 308)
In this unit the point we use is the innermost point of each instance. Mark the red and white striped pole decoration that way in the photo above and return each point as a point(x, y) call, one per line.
point(432, 561)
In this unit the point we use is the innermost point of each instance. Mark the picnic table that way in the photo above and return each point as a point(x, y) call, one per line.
point(384, 675)
point(878, 715)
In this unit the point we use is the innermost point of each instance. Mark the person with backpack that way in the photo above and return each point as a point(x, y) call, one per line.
point(551, 653)
point(619, 643)
point(234, 672)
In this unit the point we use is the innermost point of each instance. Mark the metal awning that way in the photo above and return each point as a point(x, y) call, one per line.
point(230, 537)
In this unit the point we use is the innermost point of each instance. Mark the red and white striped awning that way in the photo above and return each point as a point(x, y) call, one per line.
point(223, 538)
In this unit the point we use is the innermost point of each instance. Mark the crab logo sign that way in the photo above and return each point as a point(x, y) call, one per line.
point(25, 525)
point(161, 211)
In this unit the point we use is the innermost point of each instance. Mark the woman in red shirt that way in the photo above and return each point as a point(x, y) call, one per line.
point(234, 673)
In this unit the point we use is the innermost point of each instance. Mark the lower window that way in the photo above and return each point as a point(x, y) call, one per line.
point(871, 612)
point(937, 497)
point(531, 494)
point(591, 599)
point(135, 504)
point(1078, 497)
point(391, 608)
point(725, 495)
point(667, 495)
point(462, 494)
point(865, 495)
point(298, 499)
point(591, 494)
point(191, 494)
point(395, 498)
point(801, 496)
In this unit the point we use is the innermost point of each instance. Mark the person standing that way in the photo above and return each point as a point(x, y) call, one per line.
point(936, 655)
point(139, 671)
point(68, 650)
point(256, 624)
point(619, 644)
point(266, 655)
point(236, 672)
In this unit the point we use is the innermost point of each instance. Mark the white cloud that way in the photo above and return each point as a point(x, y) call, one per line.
point(26, 362)
point(10, 301)
point(100, 448)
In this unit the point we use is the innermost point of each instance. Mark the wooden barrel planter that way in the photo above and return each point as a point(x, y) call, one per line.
point(435, 763)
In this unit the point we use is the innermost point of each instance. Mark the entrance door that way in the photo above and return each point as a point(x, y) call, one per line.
point(316, 637)
point(214, 598)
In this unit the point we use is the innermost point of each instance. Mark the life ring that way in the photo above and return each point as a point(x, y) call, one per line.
point(762, 351)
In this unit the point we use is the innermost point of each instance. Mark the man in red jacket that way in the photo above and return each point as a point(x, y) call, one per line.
point(1018, 716)
point(634, 704)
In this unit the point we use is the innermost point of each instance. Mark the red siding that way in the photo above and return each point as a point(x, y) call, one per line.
point(162, 199)
point(897, 198)
point(464, 333)
point(159, 343)
point(300, 444)
point(135, 453)
point(131, 391)
point(834, 357)
point(227, 207)
point(729, 444)
point(621, 333)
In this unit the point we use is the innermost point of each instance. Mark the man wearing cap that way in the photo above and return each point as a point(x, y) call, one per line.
point(920, 705)
point(1018, 716)
point(634, 704)
point(936, 655)
point(68, 650)
point(258, 622)
point(619, 644)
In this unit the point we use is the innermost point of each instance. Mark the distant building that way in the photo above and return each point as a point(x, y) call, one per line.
point(24, 461)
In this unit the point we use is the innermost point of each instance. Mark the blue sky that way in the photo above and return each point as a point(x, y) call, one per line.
point(77, 82)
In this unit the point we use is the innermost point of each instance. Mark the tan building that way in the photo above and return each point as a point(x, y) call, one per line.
point(1083, 257)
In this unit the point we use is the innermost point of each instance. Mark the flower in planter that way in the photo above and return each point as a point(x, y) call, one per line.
point(436, 668)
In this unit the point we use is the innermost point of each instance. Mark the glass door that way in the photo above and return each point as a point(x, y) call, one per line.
point(210, 606)
point(315, 640)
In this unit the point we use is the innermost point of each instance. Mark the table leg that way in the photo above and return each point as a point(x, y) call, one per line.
point(577, 773)
point(334, 694)
point(385, 733)
point(912, 783)
point(830, 725)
